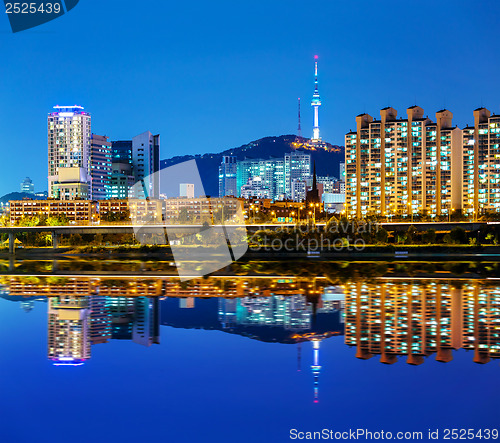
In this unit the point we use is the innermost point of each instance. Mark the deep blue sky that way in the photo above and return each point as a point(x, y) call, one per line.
point(214, 75)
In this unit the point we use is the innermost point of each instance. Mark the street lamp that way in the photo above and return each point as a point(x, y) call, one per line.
point(449, 214)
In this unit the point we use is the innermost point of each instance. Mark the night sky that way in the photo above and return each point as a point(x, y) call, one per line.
point(213, 75)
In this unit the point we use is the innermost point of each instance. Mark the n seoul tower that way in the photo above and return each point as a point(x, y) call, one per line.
point(316, 103)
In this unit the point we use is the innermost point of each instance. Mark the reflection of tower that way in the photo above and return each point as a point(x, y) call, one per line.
point(316, 102)
point(316, 368)
point(299, 357)
point(68, 330)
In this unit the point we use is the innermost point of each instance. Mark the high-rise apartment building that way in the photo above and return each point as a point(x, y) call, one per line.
point(227, 177)
point(146, 164)
point(100, 167)
point(69, 135)
point(399, 167)
point(481, 164)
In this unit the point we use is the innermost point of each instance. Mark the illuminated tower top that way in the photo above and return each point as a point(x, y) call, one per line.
point(316, 102)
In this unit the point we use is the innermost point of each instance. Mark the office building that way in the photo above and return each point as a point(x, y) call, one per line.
point(121, 151)
point(69, 135)
point(27, 186)
point(270, 172)
point(299, 190)
point(481, 164)
point(400, 167)
point(121, 180)
point(327, 182)
point(255, 188)
point(146, 164)
point(100, 167)
point(227, 177)
point(297, 166)
point(342, 171)
point(275, 174)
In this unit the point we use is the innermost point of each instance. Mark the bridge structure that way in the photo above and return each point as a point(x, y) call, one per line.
point(57, 231)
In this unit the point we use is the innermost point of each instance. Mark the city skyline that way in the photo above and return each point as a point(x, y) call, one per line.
point(250, 221)
point(267, 106)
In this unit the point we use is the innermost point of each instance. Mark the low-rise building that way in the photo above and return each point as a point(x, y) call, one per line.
point(79, 212)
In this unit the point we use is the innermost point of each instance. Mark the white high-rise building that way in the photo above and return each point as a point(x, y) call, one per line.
point(69, 133)
point(146, 162)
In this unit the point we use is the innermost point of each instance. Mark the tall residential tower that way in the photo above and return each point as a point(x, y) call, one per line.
point(403, 167)
point(69, 132)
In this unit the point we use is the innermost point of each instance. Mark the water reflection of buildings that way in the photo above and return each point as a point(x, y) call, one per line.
point(76, 323)
point(86, 311)
point(390, 318)
point(419, 319)
point(68, 330)
point(289, 312)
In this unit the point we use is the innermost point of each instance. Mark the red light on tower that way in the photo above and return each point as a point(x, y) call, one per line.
point(315, 57)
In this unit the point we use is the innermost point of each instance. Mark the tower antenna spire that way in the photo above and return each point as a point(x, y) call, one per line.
point(299, 130)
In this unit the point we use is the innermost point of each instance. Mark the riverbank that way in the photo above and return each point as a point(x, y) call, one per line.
point(369, 252)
